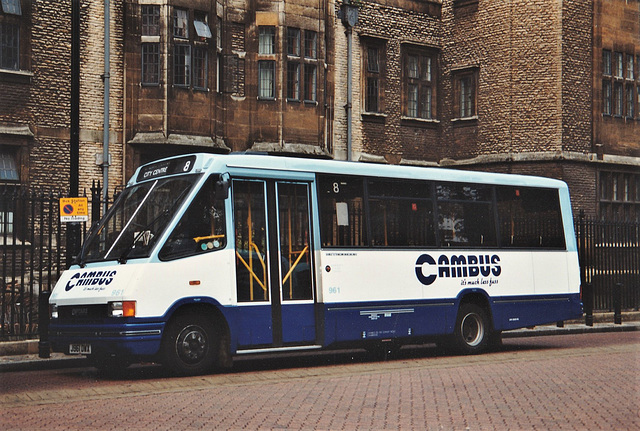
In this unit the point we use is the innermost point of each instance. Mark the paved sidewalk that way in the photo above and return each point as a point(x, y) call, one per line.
point(23, 355)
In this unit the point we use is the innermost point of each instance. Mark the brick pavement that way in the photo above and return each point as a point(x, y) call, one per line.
point(589, 381)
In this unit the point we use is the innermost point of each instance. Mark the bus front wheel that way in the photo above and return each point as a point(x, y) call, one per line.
point(189, 346)
point(472, 331)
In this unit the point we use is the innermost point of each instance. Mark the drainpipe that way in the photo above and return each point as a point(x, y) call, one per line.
point(105, 138)
point(349, 19)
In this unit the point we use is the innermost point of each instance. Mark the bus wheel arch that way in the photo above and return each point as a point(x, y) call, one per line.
point(473, 331)
point(195, 341)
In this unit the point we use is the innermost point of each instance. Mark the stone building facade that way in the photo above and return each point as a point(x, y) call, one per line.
point(34, 93)
point(225, 76)
point(500, 86)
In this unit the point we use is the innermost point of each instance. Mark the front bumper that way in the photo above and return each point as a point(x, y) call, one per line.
point(122, 339)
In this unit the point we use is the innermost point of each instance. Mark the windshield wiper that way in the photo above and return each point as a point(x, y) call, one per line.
point(123, 257)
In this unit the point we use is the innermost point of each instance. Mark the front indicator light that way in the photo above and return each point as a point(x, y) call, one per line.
point(122, 309)
point(53, 311)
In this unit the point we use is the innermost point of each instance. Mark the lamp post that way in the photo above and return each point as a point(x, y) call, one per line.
point(349, 19)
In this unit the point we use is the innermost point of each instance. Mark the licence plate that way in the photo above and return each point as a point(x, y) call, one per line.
point(79, 349)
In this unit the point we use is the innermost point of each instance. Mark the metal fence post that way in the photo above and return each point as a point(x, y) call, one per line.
point(617, 304)
point(587, 302)
point(44, 347)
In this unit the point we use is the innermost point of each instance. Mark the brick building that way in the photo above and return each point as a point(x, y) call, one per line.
point(501, 86)
point(227, 76)
point(527, 86)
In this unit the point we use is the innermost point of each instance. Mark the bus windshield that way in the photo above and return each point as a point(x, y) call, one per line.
point(137, 220)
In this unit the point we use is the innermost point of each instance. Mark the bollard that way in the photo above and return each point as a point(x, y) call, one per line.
point(617, 304)
point(44, 348)
point(587, 301)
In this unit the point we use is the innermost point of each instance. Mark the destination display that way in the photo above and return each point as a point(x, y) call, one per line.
point(180, 165)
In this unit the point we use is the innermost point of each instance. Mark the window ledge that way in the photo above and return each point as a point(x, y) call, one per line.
point(373, 117)
point(465, 119)
point(16, 76)
point(419, 122)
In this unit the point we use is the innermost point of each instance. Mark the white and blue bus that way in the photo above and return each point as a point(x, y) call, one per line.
point(203, 257)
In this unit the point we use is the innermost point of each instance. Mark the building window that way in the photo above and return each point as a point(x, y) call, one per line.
point(182, 65)
point(267, 40)
point(293, 42)
point(310, 82)
point(617, 99)
point(201, 25)
point(293, 63)
point(374, 69)
point(266, 65)
point(617, 64)
point(301, 69)
point(293, 80)
point(310, 44)
point(219, 56)
point(180, 23)
point(629, 96)
point(150, 20)
point(266, 79)
point(418, 82)
point(9, 46)
point(11, 7)
point(8, 166)
point(629, 74)
point(619, 196)
point(190, 49)
point(199, 68)
point(606, 62)
point(606, 97)
point(151, 63)
point(465, 93)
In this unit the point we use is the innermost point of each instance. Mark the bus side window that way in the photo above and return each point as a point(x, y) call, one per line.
point(529, 217)
point(202, 227)
point(342, 216)
point(465, 215)
point(401, 213)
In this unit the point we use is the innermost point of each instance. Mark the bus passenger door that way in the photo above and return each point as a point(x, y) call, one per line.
point(274, 277)
point(295, 273)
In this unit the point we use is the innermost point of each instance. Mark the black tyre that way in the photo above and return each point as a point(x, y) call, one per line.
point(190, 345)
point(472, 331)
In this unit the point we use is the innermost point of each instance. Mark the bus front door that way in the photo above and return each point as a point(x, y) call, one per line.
point(274, 271)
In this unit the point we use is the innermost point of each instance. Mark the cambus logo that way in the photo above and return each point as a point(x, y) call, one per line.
point(462, 266)
point(93, 278)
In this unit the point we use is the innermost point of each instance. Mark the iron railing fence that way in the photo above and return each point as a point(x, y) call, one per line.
point(610, 261)
point(35, 248)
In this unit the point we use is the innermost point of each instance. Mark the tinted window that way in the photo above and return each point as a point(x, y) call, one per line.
point(401, 213)
point(342, 211)
point(529, 217)
point(465, 215)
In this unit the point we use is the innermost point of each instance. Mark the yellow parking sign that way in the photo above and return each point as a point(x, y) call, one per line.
point(74, 209)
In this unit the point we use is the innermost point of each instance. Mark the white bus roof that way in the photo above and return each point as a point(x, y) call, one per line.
point(234, 162)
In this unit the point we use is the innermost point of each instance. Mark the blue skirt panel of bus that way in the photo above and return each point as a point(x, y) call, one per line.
point(524, 311)
point(379, 321)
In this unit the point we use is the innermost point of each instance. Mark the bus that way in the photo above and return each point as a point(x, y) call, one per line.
point(205, 257)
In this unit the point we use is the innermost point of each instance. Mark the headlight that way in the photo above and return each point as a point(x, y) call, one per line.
point(122, 309)
point(53, 311)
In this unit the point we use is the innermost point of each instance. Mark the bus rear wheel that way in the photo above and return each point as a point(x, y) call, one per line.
point(472, 331)
point(190, 345)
